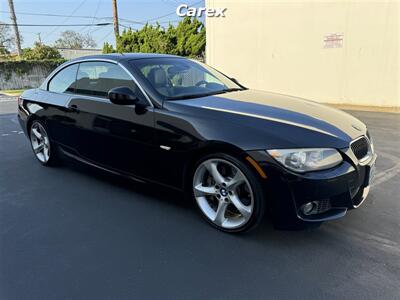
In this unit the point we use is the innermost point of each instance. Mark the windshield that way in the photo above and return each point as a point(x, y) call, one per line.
point(179, 78)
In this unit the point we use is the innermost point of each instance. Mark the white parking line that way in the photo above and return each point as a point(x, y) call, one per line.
point(387, 174)
point(12, 132)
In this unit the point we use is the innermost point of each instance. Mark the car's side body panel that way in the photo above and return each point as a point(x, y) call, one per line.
point(121, 137)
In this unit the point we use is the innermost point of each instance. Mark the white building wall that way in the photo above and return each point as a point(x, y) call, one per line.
point(279, 46)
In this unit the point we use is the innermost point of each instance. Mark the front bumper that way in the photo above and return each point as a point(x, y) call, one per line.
point(333, 191)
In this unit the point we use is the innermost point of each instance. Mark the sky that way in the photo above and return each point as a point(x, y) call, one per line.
point(88, 12)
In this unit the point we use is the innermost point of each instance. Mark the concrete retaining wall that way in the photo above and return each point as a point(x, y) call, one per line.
point(24, 74)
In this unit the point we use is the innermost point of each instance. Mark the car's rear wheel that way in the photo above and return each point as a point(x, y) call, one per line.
point(228, 193)
point(41, 144)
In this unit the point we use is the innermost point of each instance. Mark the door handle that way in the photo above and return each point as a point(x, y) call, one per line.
point(73, 107)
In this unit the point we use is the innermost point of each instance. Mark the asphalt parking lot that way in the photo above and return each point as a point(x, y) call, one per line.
point(74, 233)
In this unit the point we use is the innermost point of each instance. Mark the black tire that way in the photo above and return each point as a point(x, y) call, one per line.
point(53, 157)
point(253, 179)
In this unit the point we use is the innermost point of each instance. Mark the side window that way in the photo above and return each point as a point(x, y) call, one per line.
point(97, 78)
point(64, 81)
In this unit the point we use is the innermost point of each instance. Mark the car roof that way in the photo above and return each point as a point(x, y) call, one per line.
point(124, 56)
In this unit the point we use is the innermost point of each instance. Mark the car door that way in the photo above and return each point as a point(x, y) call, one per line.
point(57, 94)
point(119, 137)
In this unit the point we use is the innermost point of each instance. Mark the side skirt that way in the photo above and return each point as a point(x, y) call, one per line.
point(128, 176)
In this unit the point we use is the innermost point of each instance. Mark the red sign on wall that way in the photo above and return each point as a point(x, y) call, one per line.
point(333, 40)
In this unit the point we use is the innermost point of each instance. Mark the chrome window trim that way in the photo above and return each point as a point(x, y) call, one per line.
point(54, 73)
point(366, 159)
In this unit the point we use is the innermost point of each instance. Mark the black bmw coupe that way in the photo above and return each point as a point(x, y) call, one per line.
point(172, 121)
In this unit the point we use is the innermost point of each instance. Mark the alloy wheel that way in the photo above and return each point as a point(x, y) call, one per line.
point(40, 142)
point(223, 193)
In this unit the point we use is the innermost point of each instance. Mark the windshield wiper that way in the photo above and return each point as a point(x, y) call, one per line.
point(204, 94)
point(232, 90)
point(189, 96)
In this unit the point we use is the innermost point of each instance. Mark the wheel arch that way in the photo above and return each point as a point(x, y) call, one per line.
point(238, 157)
point(209, 148)
point(32, 118)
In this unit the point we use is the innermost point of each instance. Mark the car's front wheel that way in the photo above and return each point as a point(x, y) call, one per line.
point(41, 144)
point(228, 193)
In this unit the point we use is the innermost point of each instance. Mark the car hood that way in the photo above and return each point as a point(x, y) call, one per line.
point(283, 109)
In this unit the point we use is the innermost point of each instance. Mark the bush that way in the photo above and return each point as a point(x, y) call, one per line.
point(21, 67)
point(40, 52)
point(108, 48)
point(188, 38)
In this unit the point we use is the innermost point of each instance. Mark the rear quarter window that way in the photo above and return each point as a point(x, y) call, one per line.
point(64, 81)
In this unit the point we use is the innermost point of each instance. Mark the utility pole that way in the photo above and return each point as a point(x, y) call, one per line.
point(16, 32)
point(39, 38)
point(115, 16)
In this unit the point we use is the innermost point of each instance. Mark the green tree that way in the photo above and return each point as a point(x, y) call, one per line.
point(188, 38)
point(40, 51)
point(108, 48)
point(3, 50)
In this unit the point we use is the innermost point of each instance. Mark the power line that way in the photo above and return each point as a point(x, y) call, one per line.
point(87, 29)
point(66, 19)
point(160, 17)
point(106, 36)
point(131, 21)
point(56, 25)
point(163, 22)
point(79, 17)
point(55, 15)
point(125, 26)
point(170, 21)
point(97, 29)
point(95, 13)
point(99, 18)
point(100, 25)
point(166, 15)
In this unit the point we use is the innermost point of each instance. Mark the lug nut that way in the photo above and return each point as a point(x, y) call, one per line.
point(217, 186)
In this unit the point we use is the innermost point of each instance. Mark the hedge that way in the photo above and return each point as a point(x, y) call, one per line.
point(21, 67)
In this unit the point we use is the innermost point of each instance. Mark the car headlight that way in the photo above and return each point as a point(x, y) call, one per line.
point(307, 159)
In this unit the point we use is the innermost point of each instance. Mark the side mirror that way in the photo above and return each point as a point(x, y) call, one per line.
point(122, 96)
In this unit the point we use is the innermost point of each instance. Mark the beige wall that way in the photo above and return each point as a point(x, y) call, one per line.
point(74, 53)
point(279, 46)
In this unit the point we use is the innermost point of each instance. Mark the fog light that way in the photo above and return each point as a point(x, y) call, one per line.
point(308, 208)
